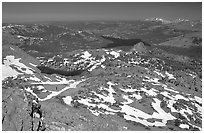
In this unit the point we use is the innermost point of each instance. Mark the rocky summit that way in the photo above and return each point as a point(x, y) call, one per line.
point(144, 88)
point(140, 48)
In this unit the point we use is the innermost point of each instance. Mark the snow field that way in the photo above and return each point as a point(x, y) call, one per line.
point(9, 63)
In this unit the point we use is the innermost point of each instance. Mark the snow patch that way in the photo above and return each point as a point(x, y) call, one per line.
point(184, 126)
point(198, 99)
point(138, 97)
point(160, 112)
point(171, 76)
point(160, 74)
point(7, 71)
point(67, 100)
point(115, 54)
point(128, 100)
point(11, 48)
point(33, 64)
point(34, 78)
point(150, 92)
point(86, 55)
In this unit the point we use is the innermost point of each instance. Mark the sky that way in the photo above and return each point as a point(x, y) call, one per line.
point(79, 11)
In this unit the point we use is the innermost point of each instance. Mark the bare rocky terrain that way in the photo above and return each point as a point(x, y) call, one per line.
point(114, 76)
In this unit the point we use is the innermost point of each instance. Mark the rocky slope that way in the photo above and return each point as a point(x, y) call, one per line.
point(77, 79)
point(117, 90)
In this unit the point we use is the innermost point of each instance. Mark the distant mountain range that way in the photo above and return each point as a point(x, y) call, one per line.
point(165, 21)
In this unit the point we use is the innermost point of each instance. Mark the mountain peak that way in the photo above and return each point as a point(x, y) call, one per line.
point(158, 20)
point(139, 47)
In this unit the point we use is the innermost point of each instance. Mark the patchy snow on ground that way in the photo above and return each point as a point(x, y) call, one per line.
point(49, 79)
point(133, 61)
point(136, 96)
point(166, 88)
point(154, 80)
point(178, 96)
point(59, 81)
point(150, 92)
point(173, 99)
point(160, 112)
point(133, 114)
point(159, 73)
point(198, 99)
point(128, 90)
point(87, 102)
point(127, 99)
point(71, 84)
point(34, 78)
point(96, 63)
point(109, 98)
